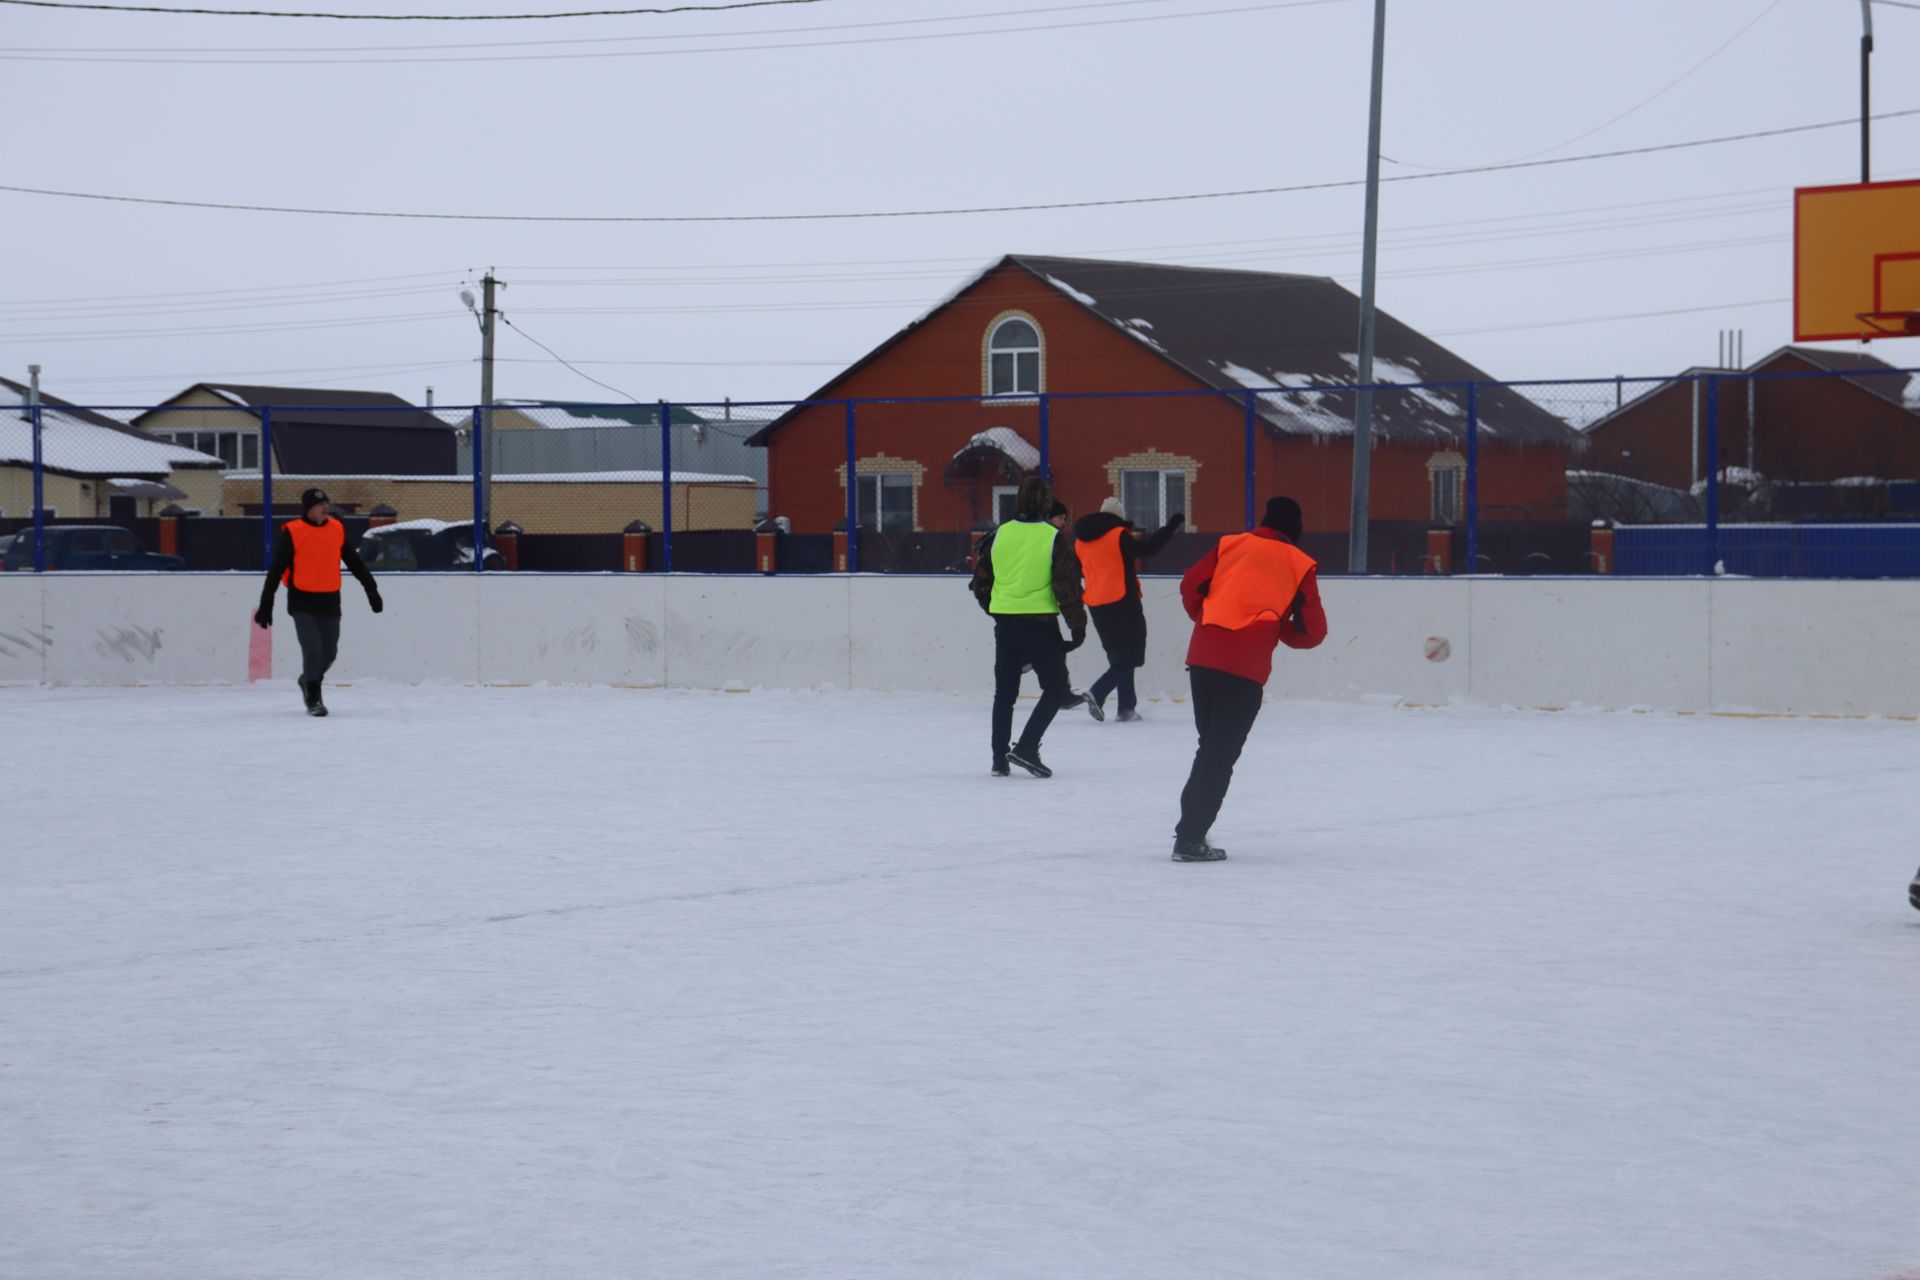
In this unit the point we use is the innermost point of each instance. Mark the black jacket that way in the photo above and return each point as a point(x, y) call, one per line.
point(1122, 623)
point(325, 603)
point(1133, 547)
point(1066, 579)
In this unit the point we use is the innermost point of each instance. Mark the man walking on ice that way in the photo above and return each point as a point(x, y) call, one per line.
point(1252, 592)
point(1027, 577)
point(307, 554)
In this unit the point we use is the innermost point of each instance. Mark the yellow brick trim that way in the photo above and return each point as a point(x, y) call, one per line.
point(1155, 460)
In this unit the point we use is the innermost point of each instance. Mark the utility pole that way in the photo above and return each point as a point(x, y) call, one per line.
point(487, 313)
point(1866, 95)
point(1363, 404)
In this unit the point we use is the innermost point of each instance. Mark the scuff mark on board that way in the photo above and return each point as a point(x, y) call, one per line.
point(129, 644)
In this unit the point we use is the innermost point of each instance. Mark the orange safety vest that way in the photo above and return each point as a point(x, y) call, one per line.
point(1104, 568)
point(316, 554)
point(1254, 578)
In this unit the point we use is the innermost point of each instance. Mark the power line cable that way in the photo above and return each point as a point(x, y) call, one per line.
point(663, 53)
point(406, 17)
point(575, 40)
point(563, 360)
point(1661, 92)
point(1293, 188)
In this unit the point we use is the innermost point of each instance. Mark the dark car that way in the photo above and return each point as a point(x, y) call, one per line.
point(423, 544)
point(87, 546)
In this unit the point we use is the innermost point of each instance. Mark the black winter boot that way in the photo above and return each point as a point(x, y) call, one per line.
point(1196, 851)
point(1030, 761)
point(1913, 891)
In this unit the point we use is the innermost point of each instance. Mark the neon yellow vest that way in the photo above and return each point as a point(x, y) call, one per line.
point(1023, 568)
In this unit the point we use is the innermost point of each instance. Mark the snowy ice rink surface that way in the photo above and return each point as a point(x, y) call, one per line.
point(595, 983)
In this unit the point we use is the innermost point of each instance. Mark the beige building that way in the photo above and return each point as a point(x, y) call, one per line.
point(96, 468)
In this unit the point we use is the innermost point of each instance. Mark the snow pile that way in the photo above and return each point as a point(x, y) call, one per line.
point(1477, 994)
point(1079, 296)
point(1007, 441)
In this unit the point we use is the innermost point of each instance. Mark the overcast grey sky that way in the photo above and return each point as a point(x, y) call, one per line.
point(1517, 271)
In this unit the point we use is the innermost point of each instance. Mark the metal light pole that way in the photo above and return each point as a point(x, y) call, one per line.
point(1866, 95)
point(1363, 404)
point(483, 429)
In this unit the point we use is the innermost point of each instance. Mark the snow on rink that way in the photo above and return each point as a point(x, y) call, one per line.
point(609, 983)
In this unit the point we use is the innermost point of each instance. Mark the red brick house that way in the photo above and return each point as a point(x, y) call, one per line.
point(1029, 332)
point(1859, 422)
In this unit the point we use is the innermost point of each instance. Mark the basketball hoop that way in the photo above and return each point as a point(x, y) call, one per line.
point(1890, 324)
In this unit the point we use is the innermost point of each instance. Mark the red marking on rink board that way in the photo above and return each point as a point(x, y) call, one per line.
point(259, 651)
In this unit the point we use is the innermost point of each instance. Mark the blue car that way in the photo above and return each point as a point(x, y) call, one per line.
point(87, 546)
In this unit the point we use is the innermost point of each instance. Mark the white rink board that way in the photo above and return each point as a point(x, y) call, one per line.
point(1836, 648)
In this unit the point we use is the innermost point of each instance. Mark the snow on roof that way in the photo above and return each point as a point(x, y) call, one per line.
point(1079, 296)
point(1007, 441)
point(1303, 410)
point(73, 446)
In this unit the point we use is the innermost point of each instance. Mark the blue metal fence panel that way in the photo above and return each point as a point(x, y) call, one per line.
point(1888, 550)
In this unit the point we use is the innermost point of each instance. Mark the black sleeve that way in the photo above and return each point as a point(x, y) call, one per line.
point(982, 584)
point(357, 567)
point(1066, 582)
point(1151, 545)
point(282, 561)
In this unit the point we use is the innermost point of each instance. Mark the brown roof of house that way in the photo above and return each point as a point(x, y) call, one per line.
point(1238, 330)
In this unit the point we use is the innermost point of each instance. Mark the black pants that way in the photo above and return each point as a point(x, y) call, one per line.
point(1021, 640)
point(1224, 707)
point(1120, 678)
point(319, 643)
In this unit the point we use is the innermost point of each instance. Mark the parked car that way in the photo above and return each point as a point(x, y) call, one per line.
point(423, 544)
point(87, 546)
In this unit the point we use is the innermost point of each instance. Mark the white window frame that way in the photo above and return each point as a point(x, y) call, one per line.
point(1038, 351)
point(1454, 487)
point(1186, 493)
point(882, 481)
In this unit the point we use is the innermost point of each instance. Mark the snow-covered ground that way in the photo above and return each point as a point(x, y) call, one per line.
point(608, 983)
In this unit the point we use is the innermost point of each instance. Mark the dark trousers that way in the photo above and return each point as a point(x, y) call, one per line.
point(1023, 640)
point(319, 644)
point(1120, 678)
point(1224, 707)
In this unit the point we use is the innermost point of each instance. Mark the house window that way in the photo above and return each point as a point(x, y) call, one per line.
point(249, 452)
point(1447, 482)
point(1006, 500)
point(886, 502)
point(1013, 358)
point(235, 449)
point(1152, 496)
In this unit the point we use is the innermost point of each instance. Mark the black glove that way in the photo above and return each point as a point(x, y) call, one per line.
point(1179, 518)
point(374, 601)
point(1076, 639)
point(263, 616)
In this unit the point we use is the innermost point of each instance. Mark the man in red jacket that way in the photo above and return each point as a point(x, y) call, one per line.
point(1252, 592)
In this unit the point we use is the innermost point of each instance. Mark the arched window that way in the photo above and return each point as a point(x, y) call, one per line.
point(1013, 358)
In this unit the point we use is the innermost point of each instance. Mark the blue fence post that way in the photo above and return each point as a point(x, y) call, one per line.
point(1046, 441)
point(666, 487)
point(479, 493)
point(39, 496)
point(1473, 477)
point(853, 491)
point(1251, 433)
point(1713, 473)
point(266, 486)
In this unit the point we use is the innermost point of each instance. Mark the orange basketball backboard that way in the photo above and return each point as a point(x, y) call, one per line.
point(1856, 261)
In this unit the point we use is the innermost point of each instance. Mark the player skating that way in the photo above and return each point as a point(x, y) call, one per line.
point(1026, 577)
point(1109, 552)
point(1252, 592)
point(307, 554)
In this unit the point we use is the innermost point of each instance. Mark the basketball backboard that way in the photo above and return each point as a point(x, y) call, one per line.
point(1856, 261)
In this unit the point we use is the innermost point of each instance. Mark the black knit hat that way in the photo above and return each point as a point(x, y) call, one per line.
point(311, 498)
point(1059, 509)
point(1283, 516)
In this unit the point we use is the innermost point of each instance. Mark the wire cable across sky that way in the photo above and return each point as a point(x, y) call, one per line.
point(849, 216)
point(404, 17)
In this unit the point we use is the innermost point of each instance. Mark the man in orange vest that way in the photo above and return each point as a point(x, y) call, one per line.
point(1109, 553)
point(1254, 591)
point(306, 555)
